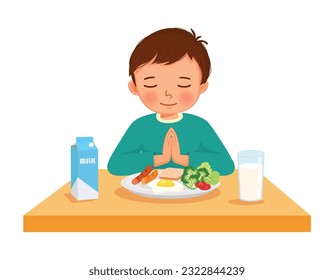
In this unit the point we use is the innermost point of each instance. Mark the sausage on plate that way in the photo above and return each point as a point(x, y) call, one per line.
point(150, 177)
point(143, 174)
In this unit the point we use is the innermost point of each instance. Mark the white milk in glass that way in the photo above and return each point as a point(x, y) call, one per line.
point(250, 181)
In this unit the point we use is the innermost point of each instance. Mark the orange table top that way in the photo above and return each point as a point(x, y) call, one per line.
point(117, 209)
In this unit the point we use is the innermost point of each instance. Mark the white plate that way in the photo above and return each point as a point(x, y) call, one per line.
point(144, 190)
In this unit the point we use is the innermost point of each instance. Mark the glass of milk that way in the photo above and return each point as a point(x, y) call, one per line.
point(250, 165)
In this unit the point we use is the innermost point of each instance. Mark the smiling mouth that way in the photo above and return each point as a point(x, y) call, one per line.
point(164, 104)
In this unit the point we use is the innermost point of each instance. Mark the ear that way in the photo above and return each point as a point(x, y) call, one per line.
point(132, 87)
point(203, 87)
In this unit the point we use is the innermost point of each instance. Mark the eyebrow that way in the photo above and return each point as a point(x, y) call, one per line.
point(150, 77)
point(187, 78)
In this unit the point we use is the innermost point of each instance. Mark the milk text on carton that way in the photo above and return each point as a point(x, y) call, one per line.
point(87, 160)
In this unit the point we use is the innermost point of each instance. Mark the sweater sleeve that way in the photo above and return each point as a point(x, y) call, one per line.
point(130, 156)
point(211, 149)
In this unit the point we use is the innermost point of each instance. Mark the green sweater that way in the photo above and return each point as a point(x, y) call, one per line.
point(145, 138)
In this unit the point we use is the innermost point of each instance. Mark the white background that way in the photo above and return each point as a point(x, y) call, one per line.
point(64, 73)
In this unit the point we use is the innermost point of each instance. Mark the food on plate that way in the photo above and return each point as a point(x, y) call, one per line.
point(202, 177)
point(172, 180)
point(150, 177)
point(165, 186)
point(189, 177)
point(165, 183)
point(213, 176)
point(171, 173)
point(203, 186)
point(143, 174)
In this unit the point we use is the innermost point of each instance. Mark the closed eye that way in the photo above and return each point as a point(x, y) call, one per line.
point(147, 86)
point(181, 86)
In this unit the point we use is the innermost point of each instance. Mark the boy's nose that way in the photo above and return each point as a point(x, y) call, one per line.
point(168, 94)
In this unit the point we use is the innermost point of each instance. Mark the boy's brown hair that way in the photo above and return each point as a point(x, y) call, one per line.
point(168, 46)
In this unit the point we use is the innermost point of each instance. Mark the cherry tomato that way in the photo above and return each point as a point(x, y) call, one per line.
point(203, 186)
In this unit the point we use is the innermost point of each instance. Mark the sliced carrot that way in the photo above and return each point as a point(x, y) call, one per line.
point(150, 177)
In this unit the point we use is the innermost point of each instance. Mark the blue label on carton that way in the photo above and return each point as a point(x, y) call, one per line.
point(84, 169)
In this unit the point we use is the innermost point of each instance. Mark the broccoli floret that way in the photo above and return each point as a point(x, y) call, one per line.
point(189, 170)
point(193, 179)
point(212, 178)
point(202, 173)
point(190, 177)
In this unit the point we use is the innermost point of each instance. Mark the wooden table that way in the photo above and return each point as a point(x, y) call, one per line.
point(119, 210)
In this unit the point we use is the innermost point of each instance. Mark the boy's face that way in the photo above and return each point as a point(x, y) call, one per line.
point(169, 89)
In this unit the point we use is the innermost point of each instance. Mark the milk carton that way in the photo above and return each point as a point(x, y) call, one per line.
point(84, 169)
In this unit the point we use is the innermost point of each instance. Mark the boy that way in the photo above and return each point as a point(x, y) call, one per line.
point(169, 71)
